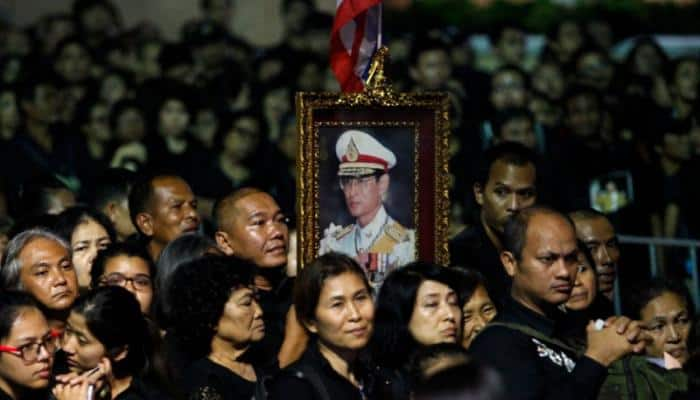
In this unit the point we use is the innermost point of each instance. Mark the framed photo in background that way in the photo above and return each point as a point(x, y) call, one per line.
point(372, 178)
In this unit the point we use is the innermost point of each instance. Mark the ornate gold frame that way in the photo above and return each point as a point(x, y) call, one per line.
point(379, 105)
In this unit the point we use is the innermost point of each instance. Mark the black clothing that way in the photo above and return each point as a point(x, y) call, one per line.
point(472, 248)
point(4, 396)
point(572, 325)
point(139, 390)
point(275, 304)
point(29, 161)
point(530, 368)
point(289, 385)
point(207, 380)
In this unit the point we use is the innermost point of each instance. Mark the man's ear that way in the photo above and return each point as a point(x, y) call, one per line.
point(223, 242)
point(478, 193)
point(144, 222)
point(510, 264)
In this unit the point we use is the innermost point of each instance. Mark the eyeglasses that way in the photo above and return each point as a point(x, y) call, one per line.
point(362, 182)
point(29, 353)
point(139, 281)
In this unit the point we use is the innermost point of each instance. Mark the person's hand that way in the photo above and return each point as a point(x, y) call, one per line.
point(83, 386)
point(620, 336)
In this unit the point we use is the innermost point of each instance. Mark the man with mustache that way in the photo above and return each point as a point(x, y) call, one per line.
point(377, 241)
point(162, 207)
point(540, 254)
point(250, 225)
point(597, 233)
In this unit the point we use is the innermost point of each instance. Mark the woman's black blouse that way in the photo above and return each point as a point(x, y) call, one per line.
point(207, 380)
point(289, 384)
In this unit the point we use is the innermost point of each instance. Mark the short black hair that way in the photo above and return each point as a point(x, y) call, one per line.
point(311, 278)
point(516, 227)
point(35, 196)
point(644, 292)
point(120, 107)
point(466, 282)
point(128, 249)
point(113, 186)
point(501, 118)
point(199, 291)
point(426, 43)
point(509, 153)
point(68, 220)
point(140, 196)
point(578, 90)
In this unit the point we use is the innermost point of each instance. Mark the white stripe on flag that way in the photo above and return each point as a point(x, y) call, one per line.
point(347, 35)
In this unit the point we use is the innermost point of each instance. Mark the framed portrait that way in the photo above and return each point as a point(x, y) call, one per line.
point(372, 177)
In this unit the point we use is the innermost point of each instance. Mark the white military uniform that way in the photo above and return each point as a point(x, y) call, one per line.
point(383, 244)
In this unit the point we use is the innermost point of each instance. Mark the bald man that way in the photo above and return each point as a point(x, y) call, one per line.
point(251, 225)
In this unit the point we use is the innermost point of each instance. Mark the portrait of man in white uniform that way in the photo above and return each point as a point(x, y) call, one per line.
point(376, 240)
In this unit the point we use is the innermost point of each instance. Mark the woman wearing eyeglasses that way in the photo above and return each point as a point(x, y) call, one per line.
point(27, 347)
point(128, 266)
point(106, 334)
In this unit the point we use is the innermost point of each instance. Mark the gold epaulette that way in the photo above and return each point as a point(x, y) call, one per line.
point(396, 232)
point(339, 235)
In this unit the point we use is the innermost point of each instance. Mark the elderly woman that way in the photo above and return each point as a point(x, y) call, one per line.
point(334, 303)
point(477, 307)
point(219, 320)
point(38, 261)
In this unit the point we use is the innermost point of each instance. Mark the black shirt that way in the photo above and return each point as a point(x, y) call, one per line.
point(139, 390)
point(472, 248)
point(275, 304)
point(288, 385)
point(207, 380)
point(530, 368)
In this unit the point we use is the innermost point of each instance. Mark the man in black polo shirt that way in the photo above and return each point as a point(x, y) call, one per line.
point(251, 226)
point(541, 256)
point(504, 185)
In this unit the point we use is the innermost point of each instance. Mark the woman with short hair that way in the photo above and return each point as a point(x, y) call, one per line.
point(218, 323)
point(333, 302)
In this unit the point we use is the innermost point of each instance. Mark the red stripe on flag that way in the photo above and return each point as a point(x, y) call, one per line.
point(342, 63)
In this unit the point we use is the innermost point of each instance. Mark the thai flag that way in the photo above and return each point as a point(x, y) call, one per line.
point(356, 36)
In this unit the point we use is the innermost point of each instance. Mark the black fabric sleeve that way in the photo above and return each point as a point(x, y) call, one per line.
point(522, 368)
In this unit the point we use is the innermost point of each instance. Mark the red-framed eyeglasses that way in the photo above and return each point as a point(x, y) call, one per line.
point(29, 352)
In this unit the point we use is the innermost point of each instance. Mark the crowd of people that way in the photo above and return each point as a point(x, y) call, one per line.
point(147, 219)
